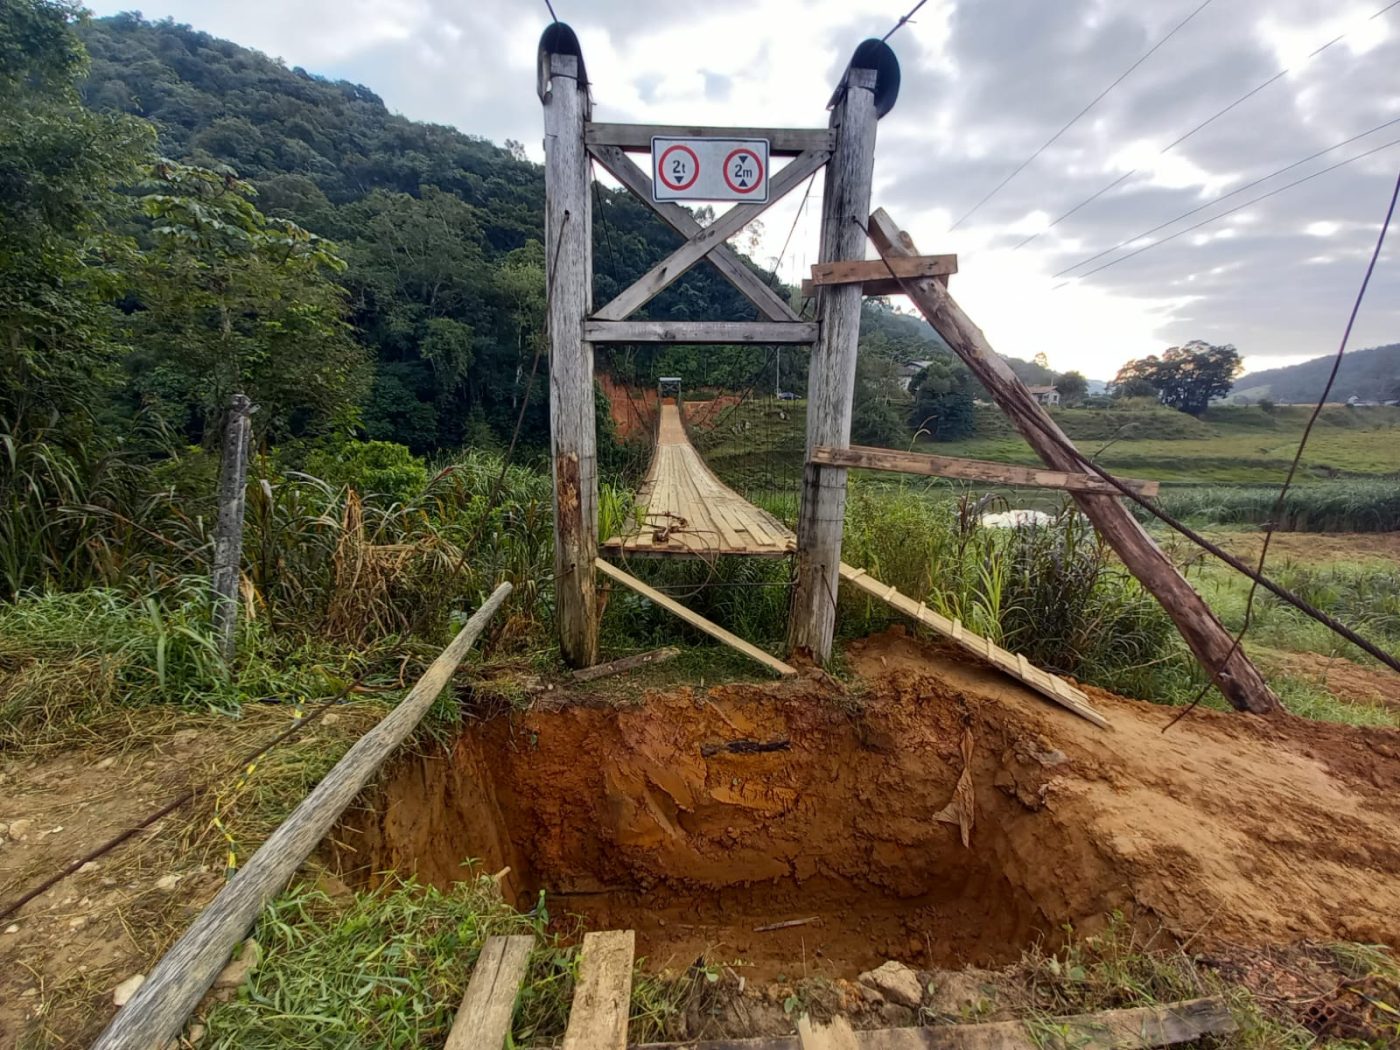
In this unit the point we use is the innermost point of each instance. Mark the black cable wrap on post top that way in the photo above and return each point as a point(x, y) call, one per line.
point(559, 38)
point(879, 56)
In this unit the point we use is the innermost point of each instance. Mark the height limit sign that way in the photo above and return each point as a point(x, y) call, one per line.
point(704, 169)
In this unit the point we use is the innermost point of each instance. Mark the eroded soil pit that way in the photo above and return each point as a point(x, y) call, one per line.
point(805, 829)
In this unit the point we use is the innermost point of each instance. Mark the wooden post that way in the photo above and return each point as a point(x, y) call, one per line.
point(831, 386)
point(228, 531)
point(157, 1011)
point(569, 280)
point(1237, 678)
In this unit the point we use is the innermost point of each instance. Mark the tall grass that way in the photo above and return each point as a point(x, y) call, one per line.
point(1332, 506)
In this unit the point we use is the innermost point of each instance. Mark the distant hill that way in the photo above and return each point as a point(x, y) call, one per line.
point(1372, 375)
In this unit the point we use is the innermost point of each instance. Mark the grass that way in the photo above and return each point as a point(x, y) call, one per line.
point(1338, 506)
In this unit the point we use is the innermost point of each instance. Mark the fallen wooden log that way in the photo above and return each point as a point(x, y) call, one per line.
point(157, 1012)
point(627, 663)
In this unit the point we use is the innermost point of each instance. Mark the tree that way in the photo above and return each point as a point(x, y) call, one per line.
point(235, 301)
point(943, 407)
point(1186, 377)
point(1072, 387)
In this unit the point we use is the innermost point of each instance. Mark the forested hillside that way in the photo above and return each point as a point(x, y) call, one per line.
point(1371, 375)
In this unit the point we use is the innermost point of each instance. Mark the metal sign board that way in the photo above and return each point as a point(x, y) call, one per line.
point(705, 169)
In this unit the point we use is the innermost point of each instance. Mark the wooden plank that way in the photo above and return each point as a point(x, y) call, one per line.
point(1014, 664)
point(569, 280)
point(157, 1012)
point(603, 996)
point(879, 286)
point(722, 257)
point(782, 142)
point(970, 470)
point(1136, 1028)
point(714, 630)
point(713, 332)
point(832, 373)
point(483, 1019)
point(852, 271)
point(1226, 663)
point(674, 266)
point(626, 663)
point(834, 1035)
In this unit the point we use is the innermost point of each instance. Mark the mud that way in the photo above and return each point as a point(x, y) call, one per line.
point(697, 818)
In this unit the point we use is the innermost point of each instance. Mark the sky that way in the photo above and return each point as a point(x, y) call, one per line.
point(985, 83)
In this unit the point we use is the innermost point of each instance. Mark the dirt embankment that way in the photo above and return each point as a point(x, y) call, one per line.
point(705, 819)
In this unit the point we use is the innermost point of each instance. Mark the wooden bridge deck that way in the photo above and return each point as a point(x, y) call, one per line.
point(685, 510)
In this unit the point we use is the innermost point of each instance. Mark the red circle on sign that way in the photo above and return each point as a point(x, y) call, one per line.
point(743, 150)
point(694, 166)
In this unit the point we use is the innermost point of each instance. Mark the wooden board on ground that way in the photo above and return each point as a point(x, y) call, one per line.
point(970, 470)
point(834, 1035)
point(1138, 1028)
point(714, 630)
point(686, 510)
point(1052, 686)
point(603, 996)
point(483, 1019)
point(627, 663)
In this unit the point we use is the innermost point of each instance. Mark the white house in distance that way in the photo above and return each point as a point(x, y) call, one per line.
point(1046, 395)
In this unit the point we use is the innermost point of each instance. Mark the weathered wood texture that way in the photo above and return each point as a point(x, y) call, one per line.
point(157, 1011)
point(673, 267)
point(723, 258)
point(834, 1035)
point(228, 530)
point(873, 275)
point(1230, 669)
point(686, 510)
point(970, 470)
point(716, 332)
point(1140, 1028)
point(714, 630)
point(603, 996)
point(569, 280)
point(1014, 664)
point(782, 142)
point(832, 375)
point(483, 1019)
point(627, 663)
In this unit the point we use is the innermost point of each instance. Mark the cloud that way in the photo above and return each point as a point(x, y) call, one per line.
point(985, 83)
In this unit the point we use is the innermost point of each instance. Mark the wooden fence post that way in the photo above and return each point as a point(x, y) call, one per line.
point(228, 530)
point(831, 383)
point(569, 280)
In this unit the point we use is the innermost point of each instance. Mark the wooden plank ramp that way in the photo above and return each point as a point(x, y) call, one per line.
point(603, 995)
point(686, 510)
point(1049, 685)
point(711, 628)
point(483, 1019)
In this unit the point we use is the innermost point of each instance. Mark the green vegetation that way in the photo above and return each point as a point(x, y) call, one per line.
point(1372, 375)
point(1185, 377)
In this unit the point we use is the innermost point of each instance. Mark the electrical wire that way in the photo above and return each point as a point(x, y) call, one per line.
point(1078, 116)
point(1228, 211)
point(1205, 123)
point(1223, 197)
point(903, 19)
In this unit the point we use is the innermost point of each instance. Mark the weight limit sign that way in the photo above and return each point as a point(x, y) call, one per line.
point(706, 169)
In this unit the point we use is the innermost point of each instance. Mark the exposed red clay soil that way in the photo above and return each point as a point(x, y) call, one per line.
point(694, 817)
point(633, 411)
point(1342, 677)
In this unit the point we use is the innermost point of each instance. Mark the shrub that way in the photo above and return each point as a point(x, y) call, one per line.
point(372, 468)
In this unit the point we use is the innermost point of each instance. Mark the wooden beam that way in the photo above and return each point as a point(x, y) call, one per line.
point(1136, 1028)
point(627, 663)
point(782, 142)
point(970, 470)
point(673, 267)
point(483, 1019)
point(157, 1012)
point(722, 257)
point(714, 630)
point(603, 996)
point(832, 372)
point(834, 1035)
point(1043, 682)
point(596, 331)
point(568, 253)
point(1229, 668)
point(873, 275)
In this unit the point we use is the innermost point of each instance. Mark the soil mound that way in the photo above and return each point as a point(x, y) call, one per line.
point(805, 827)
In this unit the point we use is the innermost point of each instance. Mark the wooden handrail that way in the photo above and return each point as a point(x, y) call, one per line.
point(969, 469)
point(156, 1013)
